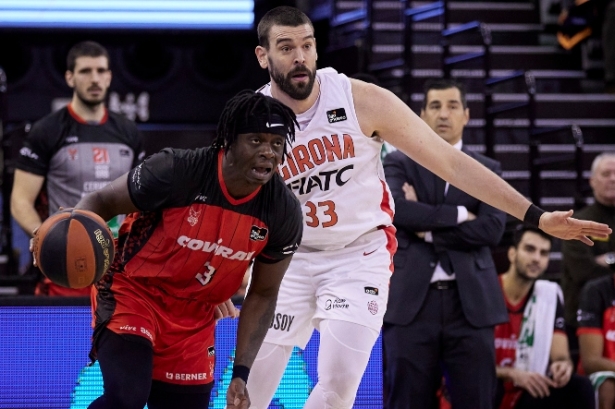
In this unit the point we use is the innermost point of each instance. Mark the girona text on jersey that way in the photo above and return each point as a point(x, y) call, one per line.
point(305, 157)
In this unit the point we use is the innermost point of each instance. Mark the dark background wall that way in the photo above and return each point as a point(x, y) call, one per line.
point(173, 83)
point(188, 76)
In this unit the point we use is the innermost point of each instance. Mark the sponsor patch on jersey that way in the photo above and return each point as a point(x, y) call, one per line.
point(72, 153)
point(28, 153)
point(337, 303)
point(584, 316)
point(258, 233)
point(371, 290)
point(336, 115)
point(372, 307)
point(193, 218)
point(211, 351)
point(200, 198)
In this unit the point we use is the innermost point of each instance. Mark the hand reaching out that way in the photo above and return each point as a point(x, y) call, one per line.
point(563, 226)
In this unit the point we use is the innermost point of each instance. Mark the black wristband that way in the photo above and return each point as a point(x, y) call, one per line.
point(241, 371)
point(532, 215)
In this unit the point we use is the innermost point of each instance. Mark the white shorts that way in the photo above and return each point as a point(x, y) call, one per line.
point(598, 378)
point(349, 284)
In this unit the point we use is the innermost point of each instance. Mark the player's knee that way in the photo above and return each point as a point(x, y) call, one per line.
point(335, 401)
point(340, 388)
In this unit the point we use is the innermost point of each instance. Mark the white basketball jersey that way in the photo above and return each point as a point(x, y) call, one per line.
point(336, 171)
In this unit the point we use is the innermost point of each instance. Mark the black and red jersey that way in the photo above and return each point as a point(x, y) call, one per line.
point(596, 313)
point(192, 240)
point(77, 157)
point(507, 334)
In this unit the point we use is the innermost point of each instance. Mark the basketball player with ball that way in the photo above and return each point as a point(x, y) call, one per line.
point(196, 220)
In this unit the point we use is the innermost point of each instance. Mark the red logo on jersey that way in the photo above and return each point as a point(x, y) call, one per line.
point(100, 156)
point(317, 151)
point(72, 153)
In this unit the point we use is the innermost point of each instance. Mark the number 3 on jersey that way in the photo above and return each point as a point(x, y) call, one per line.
point(206, 276)
point(321, 214)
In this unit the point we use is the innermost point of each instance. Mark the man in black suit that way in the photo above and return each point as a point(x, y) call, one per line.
point(444, 299)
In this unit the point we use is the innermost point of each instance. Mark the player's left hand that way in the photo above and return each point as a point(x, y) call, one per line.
point(561, 371)
point(563, 226)
point(237, 395)
point(226, 309)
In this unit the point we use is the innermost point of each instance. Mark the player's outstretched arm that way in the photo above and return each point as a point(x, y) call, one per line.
point(381, 113)
point(256, 314)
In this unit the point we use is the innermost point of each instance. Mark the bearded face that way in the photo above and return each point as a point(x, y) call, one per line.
point(297, 83)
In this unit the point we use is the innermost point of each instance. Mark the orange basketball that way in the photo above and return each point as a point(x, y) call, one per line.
point(73, 248)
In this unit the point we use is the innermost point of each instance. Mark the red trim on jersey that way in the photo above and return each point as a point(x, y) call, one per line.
point(230, 198)
point(589, 330)
point(389, 231)
point(77, 118)
point(513, 308)
point(385, 205)
point(559, 331)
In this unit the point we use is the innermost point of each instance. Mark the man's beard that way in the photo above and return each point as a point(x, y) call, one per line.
point(523, 275)
point(300, 91)
point(91, 102)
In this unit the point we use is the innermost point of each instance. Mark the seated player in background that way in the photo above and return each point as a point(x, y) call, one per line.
point(596, 331)
point(533, 361)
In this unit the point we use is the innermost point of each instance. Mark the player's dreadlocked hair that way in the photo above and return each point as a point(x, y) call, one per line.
point(256, 111)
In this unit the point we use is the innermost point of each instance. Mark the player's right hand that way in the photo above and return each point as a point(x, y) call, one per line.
point(561, 225)
point(226, 309)
point(31, 247)
point(534, 383)
point(237, 395)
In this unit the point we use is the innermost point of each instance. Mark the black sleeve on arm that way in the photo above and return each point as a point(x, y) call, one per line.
point(151, 183)
point(286, 232)
point(591, 306)
point(137, 147)
point(35, 153)
point(559, 324)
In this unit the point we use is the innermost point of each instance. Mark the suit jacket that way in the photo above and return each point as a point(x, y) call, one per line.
point(466, 246)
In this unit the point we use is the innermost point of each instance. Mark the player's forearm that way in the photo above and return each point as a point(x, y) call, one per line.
point(94, 203)
point(256, 315)
point(504, 372)
point(109, 201)
point(25, 215)
point(591, 365)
